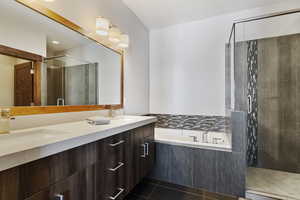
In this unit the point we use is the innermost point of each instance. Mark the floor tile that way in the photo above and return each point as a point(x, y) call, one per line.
point(216, 196)
point(163, 193)
point(144, 189)
point(133, 197)
point(193, 191)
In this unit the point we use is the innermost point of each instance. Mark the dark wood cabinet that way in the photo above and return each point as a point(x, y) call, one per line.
point(105, 169)
point(142, 155)
point(148, 150)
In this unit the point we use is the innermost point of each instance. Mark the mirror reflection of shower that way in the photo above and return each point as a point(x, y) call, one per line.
point(67, 80)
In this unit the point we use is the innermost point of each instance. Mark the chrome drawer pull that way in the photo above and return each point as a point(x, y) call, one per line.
point(117, 167)
point(117, 195)
point(147, 148)
point(117, 144)
point(58, 197)
point(144, 151)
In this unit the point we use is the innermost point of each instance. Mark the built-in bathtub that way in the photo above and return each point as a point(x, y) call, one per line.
point(197, 139)
point(213, 165)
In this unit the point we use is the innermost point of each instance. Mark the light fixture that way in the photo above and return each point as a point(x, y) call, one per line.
point(114, 35)
point(124, 43)
point(55, 42)
point(102, 26)
point(49, 0)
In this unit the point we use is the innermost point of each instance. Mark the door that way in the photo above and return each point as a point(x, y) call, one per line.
point(24, 84)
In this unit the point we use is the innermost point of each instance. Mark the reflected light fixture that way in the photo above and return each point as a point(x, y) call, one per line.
point(114, 35)
point(49, 0)
point(124, 43)
point(55, 42)
point(102, 26)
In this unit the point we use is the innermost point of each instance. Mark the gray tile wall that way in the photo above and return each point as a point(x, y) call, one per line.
point(215, 171)
point(279, 103)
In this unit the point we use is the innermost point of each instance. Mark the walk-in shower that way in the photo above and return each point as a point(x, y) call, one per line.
point(67, 80)
point(263, 80)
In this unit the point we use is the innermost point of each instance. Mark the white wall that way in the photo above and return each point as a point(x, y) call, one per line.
point(187, 61)
point(85, 12)
point(7, 80)
point(20, 34)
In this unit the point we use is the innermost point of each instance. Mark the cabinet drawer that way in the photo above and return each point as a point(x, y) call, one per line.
point(115, 164)
point(38, 175)
point(114, 152)
point(79, 186)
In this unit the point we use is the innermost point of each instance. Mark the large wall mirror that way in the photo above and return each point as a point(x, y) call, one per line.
point(47, 67)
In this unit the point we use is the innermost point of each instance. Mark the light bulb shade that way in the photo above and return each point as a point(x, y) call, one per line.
point(124, 43)
point(102, 26)
point(114, 35)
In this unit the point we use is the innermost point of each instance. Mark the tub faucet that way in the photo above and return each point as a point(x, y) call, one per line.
point(195, 139)
point(205, 137)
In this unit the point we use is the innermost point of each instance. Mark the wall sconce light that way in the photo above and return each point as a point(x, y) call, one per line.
point(114, 35)
point(124, 43)
point(102, 26)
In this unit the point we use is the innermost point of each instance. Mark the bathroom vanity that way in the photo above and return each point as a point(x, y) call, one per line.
point(82, 162)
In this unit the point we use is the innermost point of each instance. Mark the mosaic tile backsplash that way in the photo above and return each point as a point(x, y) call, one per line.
point(193, 122)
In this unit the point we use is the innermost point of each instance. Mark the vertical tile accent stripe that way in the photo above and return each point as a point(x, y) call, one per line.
point(252, 122)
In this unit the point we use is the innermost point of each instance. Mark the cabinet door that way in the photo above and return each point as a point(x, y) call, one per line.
point(134, 157)
point(9, 184)
point(43, 195)
point(77, 187)
point(148, 149)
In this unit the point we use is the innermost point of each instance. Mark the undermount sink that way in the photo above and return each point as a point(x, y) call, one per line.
point(22, 138)
point(32, 135)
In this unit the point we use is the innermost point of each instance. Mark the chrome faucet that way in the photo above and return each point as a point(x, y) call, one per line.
point(62, 100)
point(205, 137)
point(195, 138)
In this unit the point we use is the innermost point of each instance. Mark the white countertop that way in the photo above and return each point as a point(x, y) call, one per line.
point(27, 145)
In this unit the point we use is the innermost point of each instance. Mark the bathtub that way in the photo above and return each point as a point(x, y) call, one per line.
point(198, 139)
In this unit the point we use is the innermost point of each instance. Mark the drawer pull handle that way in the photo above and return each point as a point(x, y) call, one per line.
point(58, 197)
point(147, 149)
point(117, 144)
point(117, 167)
point(121, 190)
point(144, 151)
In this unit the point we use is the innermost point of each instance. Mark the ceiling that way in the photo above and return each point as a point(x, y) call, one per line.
point(161, 13)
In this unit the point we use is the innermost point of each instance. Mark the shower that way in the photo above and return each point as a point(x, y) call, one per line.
point(263, 81)
point(69, 81)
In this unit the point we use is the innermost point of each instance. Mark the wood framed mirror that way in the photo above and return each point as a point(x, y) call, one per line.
point(49, 64)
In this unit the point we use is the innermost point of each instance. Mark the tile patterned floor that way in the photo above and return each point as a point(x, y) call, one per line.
point(273, 183)
point(157, 190)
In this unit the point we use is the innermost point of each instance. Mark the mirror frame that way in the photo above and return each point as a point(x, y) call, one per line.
point(37, 59)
